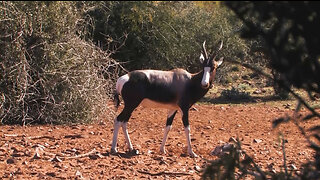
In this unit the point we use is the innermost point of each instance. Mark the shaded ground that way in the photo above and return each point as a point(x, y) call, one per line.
point(82, 151)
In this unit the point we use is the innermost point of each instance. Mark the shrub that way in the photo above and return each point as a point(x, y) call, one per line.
point(235, 95)
point(166, 35)
point(49, 74)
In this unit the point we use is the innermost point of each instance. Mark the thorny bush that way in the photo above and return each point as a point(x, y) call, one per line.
point(48, 74)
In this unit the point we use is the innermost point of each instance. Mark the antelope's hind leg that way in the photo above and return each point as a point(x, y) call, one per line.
point(122, 121)
point(126, 136)
point(116, 127)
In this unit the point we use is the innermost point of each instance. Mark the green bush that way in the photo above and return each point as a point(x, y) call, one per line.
point(165, 35)
point(235, 94)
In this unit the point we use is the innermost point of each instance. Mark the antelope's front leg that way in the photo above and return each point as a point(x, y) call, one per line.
point(170, 118)
point(190, 152)
point(165, 136)
point(185, 120)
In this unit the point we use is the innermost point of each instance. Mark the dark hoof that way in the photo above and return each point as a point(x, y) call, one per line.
point(133, 152)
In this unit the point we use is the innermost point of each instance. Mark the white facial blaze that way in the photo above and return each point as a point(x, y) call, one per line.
point(206, 76)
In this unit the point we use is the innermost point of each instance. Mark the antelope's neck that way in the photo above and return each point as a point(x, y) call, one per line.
point(197, 90)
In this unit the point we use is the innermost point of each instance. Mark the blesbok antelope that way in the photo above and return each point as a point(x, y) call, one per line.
point(175, 90)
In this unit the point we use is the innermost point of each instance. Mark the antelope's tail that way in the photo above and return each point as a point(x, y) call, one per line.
point(116, 100)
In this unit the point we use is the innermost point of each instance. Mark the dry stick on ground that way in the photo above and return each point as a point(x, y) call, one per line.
point(14, 135)
point(31, 137)
point(41, 137)
point(164, 173)
point(93, 151)
point(53, 154)
point(73, 136)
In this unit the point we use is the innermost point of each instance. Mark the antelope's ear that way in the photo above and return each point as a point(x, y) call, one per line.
point(201, 58)
point(220, 61)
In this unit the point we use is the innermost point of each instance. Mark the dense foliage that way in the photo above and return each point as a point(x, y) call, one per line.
point(290, 31)
point(47, 73)
point(166, 35)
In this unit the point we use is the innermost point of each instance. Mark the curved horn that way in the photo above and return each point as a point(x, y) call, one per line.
point(216, 52)
point(220, 46)
point(204, 50)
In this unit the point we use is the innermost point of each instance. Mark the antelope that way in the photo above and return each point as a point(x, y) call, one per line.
point(175, 90)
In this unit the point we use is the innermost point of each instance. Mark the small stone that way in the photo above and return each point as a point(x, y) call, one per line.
point(257, 140)
point(197, 168)
point(232, 139)
point(56, 159)
point(78, 174)
point(217, 151)
point(293, 167)
point(36, 156)
point(11, 161)
point(17, 154)
point(149, 152)
point(52, 174)
point(95, 156)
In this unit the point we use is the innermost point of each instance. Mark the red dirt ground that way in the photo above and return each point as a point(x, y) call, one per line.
point(82, 151)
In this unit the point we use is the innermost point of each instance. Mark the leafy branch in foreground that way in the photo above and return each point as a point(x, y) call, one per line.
point(237, 164)
point(290, 32)
point(234, 164)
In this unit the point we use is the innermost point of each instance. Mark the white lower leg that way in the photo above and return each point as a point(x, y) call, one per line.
point(126, 135)
point(165, 137)
point(187, 132)
point(116, 128)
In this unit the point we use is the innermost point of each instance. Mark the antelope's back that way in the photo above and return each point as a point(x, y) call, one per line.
point(156, 85)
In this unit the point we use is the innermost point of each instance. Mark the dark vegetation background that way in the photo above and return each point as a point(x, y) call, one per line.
point(59, 60)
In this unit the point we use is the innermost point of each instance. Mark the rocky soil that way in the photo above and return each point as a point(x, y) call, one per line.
point(82, 151)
